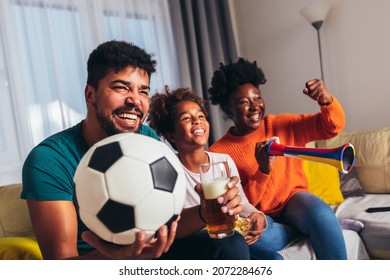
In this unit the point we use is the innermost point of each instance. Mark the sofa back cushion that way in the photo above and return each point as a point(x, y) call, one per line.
point(14, 217)
point(323, 181)
point(372, 163)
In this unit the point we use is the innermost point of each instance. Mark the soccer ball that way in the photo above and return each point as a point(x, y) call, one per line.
point(128, 182)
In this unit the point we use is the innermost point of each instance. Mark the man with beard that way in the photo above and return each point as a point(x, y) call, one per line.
point(117, 99)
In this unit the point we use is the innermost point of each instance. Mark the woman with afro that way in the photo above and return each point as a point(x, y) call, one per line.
point(278, 186)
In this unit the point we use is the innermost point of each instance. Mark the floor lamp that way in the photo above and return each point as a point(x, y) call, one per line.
point(316, 13)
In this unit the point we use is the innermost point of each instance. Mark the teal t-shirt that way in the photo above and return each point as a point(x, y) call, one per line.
point(49, 168)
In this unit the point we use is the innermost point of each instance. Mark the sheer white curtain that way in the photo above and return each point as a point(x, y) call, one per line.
point(44, 46)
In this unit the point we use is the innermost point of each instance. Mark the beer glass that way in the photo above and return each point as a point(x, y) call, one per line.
point(214, 177)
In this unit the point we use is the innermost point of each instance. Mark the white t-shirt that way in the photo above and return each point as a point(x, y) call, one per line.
point(192, 197)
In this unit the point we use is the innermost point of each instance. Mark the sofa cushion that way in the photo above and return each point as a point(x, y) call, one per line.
point(372, 161)
point(376, 231)
point(301, 249)
point(14, 217)
point(324, 181)
point(350, 185)
point(19, 248)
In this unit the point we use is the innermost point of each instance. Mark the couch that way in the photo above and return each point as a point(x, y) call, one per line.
point(367, 185)
point(17, 241)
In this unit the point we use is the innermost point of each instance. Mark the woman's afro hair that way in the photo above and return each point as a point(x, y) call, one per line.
point(228, 78)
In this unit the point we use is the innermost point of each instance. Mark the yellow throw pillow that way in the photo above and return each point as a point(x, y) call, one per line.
point(19, 248)
point(324, 181)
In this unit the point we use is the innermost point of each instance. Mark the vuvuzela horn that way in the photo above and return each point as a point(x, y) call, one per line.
point(343, 157)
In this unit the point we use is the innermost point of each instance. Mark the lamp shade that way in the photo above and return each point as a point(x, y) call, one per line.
point(316, 12)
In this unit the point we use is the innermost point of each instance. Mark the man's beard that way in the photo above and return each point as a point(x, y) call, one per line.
point(109, 126)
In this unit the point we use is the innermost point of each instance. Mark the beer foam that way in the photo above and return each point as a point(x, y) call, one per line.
point(215, 188)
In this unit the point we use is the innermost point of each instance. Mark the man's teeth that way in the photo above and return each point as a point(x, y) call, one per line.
point(127, 116)
point(255, 117)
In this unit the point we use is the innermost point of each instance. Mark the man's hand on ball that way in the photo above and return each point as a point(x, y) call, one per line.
point(158, 245)
point(140, 249)
point(171, 235)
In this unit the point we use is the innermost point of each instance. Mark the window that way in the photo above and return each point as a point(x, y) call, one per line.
point(9, 151)
point(46, 44)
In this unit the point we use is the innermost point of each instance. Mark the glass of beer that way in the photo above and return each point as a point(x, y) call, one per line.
point(214, 177)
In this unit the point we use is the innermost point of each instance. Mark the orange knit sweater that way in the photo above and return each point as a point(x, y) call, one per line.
point(270, 193)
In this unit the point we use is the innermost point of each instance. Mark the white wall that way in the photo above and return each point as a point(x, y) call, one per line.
point(355, 47)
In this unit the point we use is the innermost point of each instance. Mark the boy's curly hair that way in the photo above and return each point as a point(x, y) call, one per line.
point(228, 78)
point(163, 108)
point(116, 55)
